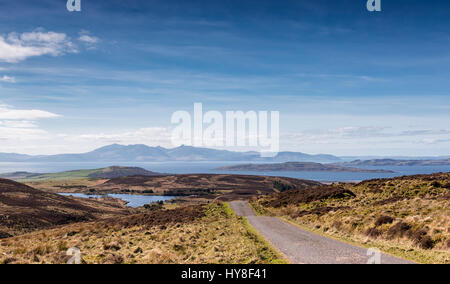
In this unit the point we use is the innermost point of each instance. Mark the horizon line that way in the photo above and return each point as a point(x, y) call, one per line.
point(219, 149)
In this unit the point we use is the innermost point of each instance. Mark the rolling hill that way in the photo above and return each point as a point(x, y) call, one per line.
point(25, 209)
point(209, 186)
point(104, 173)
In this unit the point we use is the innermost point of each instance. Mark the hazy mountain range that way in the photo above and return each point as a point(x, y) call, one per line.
point(142, 153)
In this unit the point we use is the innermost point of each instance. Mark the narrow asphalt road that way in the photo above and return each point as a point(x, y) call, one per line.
point(303, 247)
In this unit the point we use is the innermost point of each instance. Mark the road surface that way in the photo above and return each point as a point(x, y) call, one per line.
point(303, 247)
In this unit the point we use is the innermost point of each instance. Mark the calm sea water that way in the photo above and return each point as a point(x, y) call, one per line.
point(211, 168)
point(133, 200)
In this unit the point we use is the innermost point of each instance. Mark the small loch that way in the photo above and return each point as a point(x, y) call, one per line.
point(131, 199)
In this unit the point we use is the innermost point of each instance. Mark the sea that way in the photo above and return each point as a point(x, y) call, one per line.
point(212, 168)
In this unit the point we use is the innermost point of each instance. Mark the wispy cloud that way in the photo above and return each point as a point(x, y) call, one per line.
point(363, 132)
point(422, 132)
point(88, 40)
point(7, 79)
point(353, 141)
point(8, 113)
point(18, 47)
point(335, 134)
point(19, 125)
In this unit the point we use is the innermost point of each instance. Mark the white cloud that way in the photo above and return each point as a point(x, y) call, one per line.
point(349, 132)
point(424, 132)
point(7, 79)
point(17, 134)
point(20, 114)
point(18, 126)
point(368, 140)
point(88, 40)
point(18, 47)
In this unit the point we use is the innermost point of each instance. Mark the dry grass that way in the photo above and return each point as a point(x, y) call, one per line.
point(214, 236)
point(199, 188)
point(408, 217)
point(80, 185)
point(24, 209)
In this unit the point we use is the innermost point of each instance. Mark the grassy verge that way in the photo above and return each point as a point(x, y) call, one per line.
point(259, 210)
point(228, 211)
point(265, 250)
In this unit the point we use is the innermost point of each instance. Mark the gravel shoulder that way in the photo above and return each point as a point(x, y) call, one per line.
point(303, 247)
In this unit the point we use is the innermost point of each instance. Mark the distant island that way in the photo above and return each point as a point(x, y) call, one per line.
point(298, 167)
point(142, 153)
point(392, 162)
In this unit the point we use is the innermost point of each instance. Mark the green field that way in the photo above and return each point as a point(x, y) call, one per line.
point(78, 174)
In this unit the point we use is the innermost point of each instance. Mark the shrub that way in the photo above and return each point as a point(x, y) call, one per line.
point(421, 239)
point(399, 230)
point(113, 247)
point(436, 184)
point(337, 225)
point(384, 220)
point(8, 260)
point(4, 235)
point(280, 186)
point(373, 233)
point(297, 196)
point(426, 243)
point(154, 206)
point(418, 235)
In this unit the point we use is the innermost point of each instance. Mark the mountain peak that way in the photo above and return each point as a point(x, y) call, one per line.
point(109, 147)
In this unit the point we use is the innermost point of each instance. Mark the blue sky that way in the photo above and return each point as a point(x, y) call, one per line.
point(346, 81)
